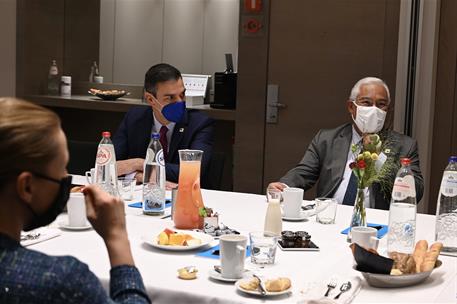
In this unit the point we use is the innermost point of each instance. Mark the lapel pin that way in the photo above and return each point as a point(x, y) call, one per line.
point(181, 130)
point(386, 151)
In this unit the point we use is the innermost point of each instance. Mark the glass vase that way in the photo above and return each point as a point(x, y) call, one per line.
point(359, 216)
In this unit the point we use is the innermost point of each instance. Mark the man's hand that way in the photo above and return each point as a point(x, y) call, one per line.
point(277, 185)
point(129, 165)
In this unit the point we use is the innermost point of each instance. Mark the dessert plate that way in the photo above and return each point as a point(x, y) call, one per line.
point(153, 241)
point(64, 225)
point(258, 293)
point(213, 274)
point(303, 216)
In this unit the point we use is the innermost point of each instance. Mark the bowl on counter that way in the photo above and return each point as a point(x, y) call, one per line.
point(108, 94)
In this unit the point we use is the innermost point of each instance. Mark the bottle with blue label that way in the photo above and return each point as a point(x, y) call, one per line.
point(446, 210)
point(402, 212)
point(154, 178)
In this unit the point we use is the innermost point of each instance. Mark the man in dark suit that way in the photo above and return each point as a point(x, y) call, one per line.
point(327, 158)
point(179, 128)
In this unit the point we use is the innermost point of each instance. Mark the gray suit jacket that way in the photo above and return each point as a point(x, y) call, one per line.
point(326, 157)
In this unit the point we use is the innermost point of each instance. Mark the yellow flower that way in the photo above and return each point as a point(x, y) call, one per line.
point(360, 157)
point(367, 155)
point(374, 156)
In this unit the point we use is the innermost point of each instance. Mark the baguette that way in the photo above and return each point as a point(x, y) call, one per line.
point(419, 254)
point(431, 256)
point(277, 285)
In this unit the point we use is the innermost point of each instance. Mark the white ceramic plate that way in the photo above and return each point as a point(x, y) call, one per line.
point(153, 241)
point(257, 292)
point(303, 216)
point(389, 281)
point(213, 274)
point(64, 225)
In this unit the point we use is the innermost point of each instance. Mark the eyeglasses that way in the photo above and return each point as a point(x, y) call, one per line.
point(368, 102)
point(54, 180)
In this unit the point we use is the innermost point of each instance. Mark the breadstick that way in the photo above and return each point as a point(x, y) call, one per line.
point(431, 256)
point(419, 253)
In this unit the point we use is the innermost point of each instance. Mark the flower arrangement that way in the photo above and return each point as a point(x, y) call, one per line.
point(368, 169)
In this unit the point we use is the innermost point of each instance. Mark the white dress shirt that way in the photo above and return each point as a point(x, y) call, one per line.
point(341, 191)
point(157, 126)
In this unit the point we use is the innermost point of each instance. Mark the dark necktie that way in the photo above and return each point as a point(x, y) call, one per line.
point(351, 191)
point(164, 141)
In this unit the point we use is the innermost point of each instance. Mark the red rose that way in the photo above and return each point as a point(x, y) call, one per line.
point(361, 164)
point(352, 165)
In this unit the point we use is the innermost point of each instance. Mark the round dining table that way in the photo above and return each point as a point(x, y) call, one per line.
point(245, 212)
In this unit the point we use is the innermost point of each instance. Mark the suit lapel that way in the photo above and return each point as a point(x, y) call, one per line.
point(339, 152)
point(177, 136)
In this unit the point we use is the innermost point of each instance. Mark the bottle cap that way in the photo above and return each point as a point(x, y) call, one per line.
point(453, 158)
point(155, 136)
point(106, 134)
point(405, 161)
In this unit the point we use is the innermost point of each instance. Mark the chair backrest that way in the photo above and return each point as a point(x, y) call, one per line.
point(215, 171)
point(82, 156)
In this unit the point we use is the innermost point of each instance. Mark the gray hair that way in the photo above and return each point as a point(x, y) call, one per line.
point(368, 80)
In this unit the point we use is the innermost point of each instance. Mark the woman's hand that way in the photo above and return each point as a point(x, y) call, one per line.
point(106, 213)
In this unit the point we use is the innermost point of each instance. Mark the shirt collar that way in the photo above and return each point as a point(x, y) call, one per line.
point(356, 138)
point(158, 125)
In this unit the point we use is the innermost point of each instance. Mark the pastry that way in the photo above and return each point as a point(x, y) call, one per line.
point(251, 284)
point(76, 189)
point(431, 256)
point(276, 285)
point(403, 262)
point(185, 274)
point(419, 253)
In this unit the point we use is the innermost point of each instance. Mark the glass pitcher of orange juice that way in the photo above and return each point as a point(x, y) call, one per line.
point(189, 201)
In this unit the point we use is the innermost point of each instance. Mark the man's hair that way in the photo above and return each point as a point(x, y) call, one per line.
point(159, 73)
point(368, 80)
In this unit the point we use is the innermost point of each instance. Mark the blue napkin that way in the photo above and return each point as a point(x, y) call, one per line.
point(140, 204)
point(213, 252)
point(382, 229)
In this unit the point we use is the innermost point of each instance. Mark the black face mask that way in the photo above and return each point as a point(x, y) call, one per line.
point(56, 207)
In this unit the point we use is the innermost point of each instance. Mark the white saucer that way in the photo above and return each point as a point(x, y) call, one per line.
point(64, 225)
point(213, 274)
point(303, 216)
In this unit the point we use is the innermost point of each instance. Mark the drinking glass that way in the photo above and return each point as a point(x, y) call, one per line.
point(326, 210)
point(263, 247)
point(126, 187)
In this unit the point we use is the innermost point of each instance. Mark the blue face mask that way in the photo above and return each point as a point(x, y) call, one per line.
point(174, 111)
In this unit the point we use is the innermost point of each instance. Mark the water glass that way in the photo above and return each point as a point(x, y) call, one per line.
point(326, 210)
point(126, 187)
point(263, 247)
point(274, 195)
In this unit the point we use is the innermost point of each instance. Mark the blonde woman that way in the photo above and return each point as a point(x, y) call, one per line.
point(34, 188)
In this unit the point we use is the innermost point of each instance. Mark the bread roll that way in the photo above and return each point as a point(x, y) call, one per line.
point(419, 253)
point(277, 285)
point(403, 262)
point(431, 256)
point(251, 284)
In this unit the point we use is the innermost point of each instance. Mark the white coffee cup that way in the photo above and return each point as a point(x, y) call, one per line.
point(90, 175)
point(76, 207)
point(233, 254)
point(292, 201)
point(365, 237)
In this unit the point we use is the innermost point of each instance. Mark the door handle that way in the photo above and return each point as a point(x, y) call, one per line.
point(278, 105)
point(273, 104)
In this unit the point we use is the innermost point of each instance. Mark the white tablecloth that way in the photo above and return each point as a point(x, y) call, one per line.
point(245, 212)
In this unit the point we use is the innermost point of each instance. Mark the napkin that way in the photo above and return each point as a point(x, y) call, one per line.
point(140, 204)
point(214, 252)
point(315, 291)
point(45, 234)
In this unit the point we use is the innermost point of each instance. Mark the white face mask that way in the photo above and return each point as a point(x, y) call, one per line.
point(369, 119)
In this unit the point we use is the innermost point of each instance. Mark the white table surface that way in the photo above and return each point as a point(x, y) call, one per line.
point(246, 212)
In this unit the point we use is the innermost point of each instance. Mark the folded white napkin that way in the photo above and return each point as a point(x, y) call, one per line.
point(39, 235)
point(315, 291)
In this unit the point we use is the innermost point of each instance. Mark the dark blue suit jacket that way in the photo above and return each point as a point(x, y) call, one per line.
point(195, 131)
